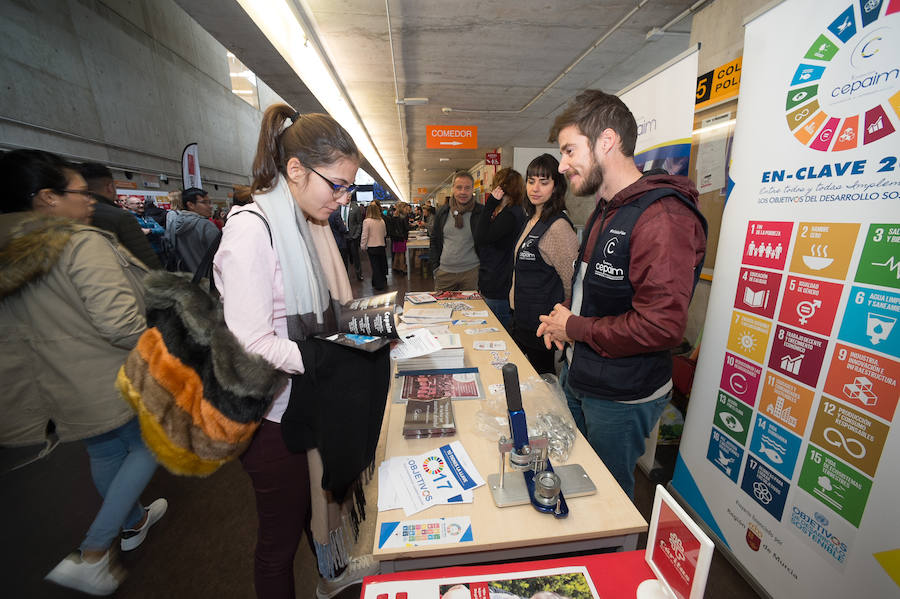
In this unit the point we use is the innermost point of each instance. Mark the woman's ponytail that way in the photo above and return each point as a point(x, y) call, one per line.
point(267, 162)
point(314, 139)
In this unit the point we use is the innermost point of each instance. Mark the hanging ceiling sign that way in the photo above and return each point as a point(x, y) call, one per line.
point(451, 137)
point(492, 158)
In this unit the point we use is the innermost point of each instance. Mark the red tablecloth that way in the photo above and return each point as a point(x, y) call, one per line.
point(615, 575)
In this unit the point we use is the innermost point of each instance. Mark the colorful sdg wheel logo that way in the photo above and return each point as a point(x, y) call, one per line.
point(433, 465)
point(845, 92)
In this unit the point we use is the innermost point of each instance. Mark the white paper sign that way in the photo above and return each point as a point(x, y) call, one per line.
point(415, 533)
point(418, 342)
point(499, 345)
point(433, 477)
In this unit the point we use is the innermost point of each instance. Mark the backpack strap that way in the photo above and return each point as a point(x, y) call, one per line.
point(206, 264)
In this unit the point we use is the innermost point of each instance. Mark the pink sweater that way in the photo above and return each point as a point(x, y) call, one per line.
point(373, 233)
point(248, 276)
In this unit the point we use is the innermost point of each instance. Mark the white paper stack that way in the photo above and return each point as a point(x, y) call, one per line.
point(441, 476)
point(426, 316)
point(434, 329)
point(451, 355)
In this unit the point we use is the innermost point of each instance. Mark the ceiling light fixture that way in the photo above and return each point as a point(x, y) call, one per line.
point(292, 34)
point(658, 33)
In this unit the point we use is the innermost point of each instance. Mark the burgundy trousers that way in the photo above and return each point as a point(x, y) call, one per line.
point(281, 483)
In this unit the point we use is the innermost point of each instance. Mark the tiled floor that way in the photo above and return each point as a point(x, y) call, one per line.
point(203, 548)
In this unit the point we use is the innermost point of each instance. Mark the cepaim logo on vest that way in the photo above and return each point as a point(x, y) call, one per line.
point(604, 268)
point(844, 93)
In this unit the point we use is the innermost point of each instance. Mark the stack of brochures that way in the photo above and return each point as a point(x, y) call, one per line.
point(426, 316)
point(445, 475)
point(451, 355)
point(429, 418)
point(457, 383)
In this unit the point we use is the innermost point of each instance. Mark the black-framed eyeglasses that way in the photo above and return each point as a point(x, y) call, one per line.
point(336, 190)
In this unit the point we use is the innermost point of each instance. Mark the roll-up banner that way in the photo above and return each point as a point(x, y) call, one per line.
point(190, 167)
point(789, 448)
point(663, 106)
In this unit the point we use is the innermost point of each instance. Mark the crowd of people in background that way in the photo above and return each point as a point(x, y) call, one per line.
point(177, 238)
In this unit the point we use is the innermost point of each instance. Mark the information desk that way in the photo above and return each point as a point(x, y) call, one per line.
point(615, 575)
point(412, 244)
point(606, 519)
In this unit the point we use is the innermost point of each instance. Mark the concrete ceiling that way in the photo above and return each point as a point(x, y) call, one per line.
point(471, 56)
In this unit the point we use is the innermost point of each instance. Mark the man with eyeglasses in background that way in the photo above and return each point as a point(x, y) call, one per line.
point(189, 232)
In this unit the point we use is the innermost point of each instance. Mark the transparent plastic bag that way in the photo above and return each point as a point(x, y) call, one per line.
point(546, 412)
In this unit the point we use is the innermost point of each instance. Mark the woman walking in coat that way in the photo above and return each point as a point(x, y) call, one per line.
point(399, 237)
point(71, 309)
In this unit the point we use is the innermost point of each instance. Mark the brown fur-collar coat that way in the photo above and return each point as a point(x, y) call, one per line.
point(71, 308)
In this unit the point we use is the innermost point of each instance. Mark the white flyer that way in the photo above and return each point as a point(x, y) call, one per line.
point(433, 477)
point(414, 343)
point(498, 345)
point(474, 313)
point(388, 498)
point(415, 533)
point(481, 331)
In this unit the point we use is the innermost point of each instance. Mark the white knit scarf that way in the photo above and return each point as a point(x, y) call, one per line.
point(306, 295)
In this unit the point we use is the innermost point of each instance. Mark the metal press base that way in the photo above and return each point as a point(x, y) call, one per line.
point(574, 482)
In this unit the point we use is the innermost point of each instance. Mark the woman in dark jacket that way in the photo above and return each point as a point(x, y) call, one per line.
point(399, 233)
point(544, 259)
point(495, 237)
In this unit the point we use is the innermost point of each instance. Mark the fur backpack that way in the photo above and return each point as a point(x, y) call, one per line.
point(199, 395)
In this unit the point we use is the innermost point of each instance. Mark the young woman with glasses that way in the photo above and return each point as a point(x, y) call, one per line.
point(278, 271)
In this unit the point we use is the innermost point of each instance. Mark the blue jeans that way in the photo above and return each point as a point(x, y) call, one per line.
point(121, 466)
point(615, 430)
point(500, 308)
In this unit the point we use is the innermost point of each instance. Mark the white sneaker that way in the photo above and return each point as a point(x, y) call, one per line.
point(133, 537)
point(75, 573)
point(356, 570)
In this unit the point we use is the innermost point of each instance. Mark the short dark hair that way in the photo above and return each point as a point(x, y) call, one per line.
point(546, 166)
point(465, 174)
point(94, 170)
point(191, 194)
point(592, 112)
point(26, 172)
